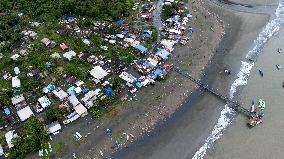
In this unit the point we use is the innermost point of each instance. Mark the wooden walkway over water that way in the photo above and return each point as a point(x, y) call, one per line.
point(234, 105)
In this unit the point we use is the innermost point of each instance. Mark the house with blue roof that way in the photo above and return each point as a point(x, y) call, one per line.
point(72, 91)
point(119, 22)
point(108, 91)
point(138, 84)
point(162, 53)
point(70, 18)
point(49, 88)
point(142, 49)
point(158, 73)
point(147, 34)
point(6, 111)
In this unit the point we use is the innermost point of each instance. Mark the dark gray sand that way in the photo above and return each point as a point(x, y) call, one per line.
point(181, 136)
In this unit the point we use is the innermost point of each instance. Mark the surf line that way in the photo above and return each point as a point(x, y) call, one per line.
point(227, 114)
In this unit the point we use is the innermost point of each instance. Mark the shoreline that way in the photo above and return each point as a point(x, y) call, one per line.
point(224, 84)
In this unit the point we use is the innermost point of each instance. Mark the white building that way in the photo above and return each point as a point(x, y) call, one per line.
point(53, 128)
point(60, 94)
point(1, 150)
point(17, 70)
point(69, 55)
point(15, 57)
point(25, 113)
point(9, 136)
point(81, 110)
point(98, 72)
point(44, 101)
point(16, 82)
point(127, 77)
point(17, 99)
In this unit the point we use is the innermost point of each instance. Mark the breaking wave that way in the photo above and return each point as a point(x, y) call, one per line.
point(227, 114)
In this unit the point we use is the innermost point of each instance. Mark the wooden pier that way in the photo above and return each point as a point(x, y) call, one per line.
point(234, 105)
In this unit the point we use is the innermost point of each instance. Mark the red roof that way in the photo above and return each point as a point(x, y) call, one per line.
point(64, 46)
point(166, 67)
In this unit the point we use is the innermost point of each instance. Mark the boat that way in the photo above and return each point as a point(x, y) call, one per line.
point(255, 120)
point(260, 72)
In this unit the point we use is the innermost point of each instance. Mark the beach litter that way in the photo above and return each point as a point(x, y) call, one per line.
point(77, 136)
point(279, 66)
point(109, 132)
point(101, 153)
point(279, 50)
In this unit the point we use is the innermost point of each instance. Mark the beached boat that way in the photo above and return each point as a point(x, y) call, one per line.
point(260, 72)
point(254, 122)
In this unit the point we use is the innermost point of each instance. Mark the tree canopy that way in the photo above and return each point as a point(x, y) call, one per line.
point(46, 9)
point(32, 138)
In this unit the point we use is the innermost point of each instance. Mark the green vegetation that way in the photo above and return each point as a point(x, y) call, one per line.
point(50, 10)
point(170, 10)
point(98, 109)
point(54, 114)
point(154, 37)
point(32, 138)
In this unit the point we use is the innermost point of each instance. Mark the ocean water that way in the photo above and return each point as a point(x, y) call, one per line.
point(227, 114)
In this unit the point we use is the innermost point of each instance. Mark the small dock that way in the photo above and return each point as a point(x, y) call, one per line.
point(234, 105)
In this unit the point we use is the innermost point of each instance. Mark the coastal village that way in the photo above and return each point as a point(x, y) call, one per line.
point(83, 70)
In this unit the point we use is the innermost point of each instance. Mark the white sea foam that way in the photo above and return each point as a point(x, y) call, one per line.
point(227, 113)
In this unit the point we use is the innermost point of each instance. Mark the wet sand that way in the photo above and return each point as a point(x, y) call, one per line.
point(265, 140)
point(257, 2)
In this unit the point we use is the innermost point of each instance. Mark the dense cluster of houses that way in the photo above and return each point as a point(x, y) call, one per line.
point(73, 94)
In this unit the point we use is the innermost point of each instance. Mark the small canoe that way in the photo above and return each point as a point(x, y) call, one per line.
point(260, 72)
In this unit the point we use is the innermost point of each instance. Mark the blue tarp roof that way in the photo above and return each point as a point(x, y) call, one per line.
point(7, 111)
point(85, 89)
point(71, 91)
point(123, 32)
point(147, 32)
point(48, 64)
point(141, 61)
point(189, 15)
point(119, 22)
point(139, 84)
point(163, 54)
point(141, 48)
point(146, 35)
point(72, 115)
point(157, 72)
point(50, 88)
point(70, 18)
point(176, 18)
point(108, 91)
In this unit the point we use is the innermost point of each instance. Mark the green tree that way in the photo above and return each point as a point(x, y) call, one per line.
point(54, 114)
point(31, 138)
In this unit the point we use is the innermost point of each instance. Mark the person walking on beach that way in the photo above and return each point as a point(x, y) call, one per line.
point(227, 72)
point(252, 110)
